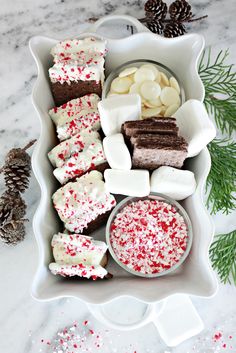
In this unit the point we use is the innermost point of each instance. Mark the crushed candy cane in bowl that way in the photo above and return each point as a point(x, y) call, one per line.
point(149, 236)
point(160, 90)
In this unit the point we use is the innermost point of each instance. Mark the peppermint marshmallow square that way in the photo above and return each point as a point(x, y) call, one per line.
point(76, 115)
point(127, 182)
point(195, 126)
point(77, 155)
point(116, 152)
point(78, 255)
point(115, 110)
point(175, 183)
point(78, 68)
point(74, 249)
point(80, 203)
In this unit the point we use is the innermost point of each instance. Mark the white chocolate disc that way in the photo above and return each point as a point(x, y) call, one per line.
point(143, 100)
point(135, 88)
point(150, 90)
point(131, 77)
point(121, 84)
point(169, 96)
point(164, 79)
point(162, 85)
point(171, 110)
point(144, 74)
point(153, 68)
point(155, 102)
point(149, 112)
point(163, 109)
point(147, 104)
point(158, 78)
point(128, 71)
point(174, 84)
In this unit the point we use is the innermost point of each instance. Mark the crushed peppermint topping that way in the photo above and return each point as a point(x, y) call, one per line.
point(77, 155)
point(76, 115)
point(78, 255)
point(149, 236)
point(78, 270)
point(78, 60)
point(81, 202)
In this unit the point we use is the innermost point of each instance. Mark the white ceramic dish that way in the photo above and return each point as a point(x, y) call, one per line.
point(195, 276)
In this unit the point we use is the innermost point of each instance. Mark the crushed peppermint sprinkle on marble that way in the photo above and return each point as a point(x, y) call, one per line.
point(76, 338)
point(149, 236)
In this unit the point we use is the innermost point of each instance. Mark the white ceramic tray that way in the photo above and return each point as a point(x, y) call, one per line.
point(195, 276)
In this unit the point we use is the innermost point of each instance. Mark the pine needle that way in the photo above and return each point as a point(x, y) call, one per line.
point(223, 256)
point(222, 177)
point(220, 102)
point(220, 89)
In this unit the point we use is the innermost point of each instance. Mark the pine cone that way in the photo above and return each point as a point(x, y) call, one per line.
point(12, 211)
point(174, 29)
point(13, 232)
point(180, 10)
point(12, 208)
point(17, 170)
point(155, 9)
point(155, 26)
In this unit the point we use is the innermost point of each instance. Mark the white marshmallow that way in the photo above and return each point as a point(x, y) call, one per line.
point(127, 182)
point(115, 110)
point(175, 183)
point(195, 126)
point(116, 152)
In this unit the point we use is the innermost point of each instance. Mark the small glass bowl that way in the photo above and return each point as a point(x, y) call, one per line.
point(152, 196)
point(137, 63)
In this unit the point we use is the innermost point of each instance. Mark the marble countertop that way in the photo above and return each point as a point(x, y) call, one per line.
point(28, 326)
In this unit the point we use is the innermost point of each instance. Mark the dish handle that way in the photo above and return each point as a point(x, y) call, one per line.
point(175, 318)
point(131, 21)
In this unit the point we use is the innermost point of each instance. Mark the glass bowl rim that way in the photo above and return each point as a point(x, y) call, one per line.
point(169, 200)
point(114, 73)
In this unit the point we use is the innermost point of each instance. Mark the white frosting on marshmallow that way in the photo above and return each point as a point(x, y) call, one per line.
point(78, 270)
point(77, 155)
point(81, 202)
point(62, 72)
point(76, 48)
point(78, 255)
point(78, 60)
point(77, 248)
point(75, 115)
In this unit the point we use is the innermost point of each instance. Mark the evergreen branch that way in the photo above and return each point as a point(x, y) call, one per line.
point(221, 180)
point(223, 256)
point(224, 112)
point(219, 79)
